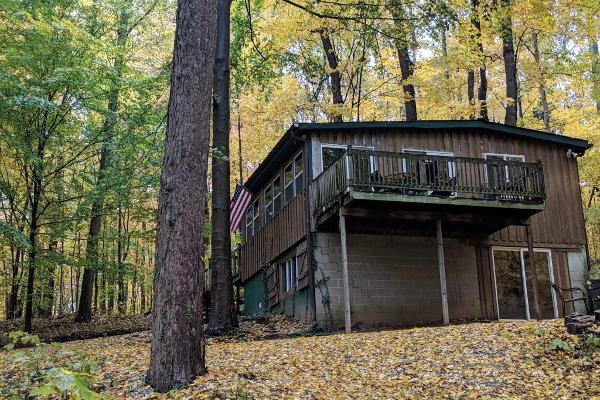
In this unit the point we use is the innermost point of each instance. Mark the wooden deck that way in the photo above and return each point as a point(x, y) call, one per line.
point(414, 181)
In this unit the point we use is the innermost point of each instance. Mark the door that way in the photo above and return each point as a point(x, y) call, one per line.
point(514, 283)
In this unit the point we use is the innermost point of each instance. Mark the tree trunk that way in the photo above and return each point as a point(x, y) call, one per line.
point(403, 38)
point(13, 298)
point(47, 303)
point(121, 297)
point(482, 94)
point(33, 232)
point(595, 71)
point(84, 311)
point(510, 62)
point(335, 78)
point(177, 352)
point(222, 312)
point(471, 93)
point(482, 90)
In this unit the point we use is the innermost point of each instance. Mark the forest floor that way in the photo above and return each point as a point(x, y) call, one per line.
point(63, 329)
point(476, 360)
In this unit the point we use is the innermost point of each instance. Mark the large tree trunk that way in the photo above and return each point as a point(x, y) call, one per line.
point(177, 354)
point(510, 62)
point(404, 34)
point(222, 312)
point(335, 78)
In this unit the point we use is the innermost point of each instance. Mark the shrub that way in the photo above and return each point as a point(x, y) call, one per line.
point(560, 345)
point(22, 339)
point(66, 383)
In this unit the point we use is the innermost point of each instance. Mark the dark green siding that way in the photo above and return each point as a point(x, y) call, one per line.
point(293, 305)
point(254, 295)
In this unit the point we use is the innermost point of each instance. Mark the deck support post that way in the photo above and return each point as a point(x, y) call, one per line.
point(347, 319)
point(442, 268)
point(532, 269)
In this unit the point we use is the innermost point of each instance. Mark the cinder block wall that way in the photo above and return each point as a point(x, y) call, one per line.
point(395, 279)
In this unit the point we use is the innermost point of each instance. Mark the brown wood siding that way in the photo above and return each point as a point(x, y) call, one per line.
point(487, 289)
point(286, 228)
point(560, 225)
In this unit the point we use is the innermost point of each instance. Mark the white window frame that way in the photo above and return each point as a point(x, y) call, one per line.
point(522, 251)
point(253, 218)
point(288, 265)
point(504, 158)
point(451, 164)
point(271, 204)
point(292, 165)
point(372, 166)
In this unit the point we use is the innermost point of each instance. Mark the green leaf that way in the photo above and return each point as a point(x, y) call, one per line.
point(15, 236)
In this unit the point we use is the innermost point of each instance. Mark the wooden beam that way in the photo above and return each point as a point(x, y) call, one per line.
point(534, 277)
point(442, 268)
point(487, 218)
point(347, 319)
point(403, 198)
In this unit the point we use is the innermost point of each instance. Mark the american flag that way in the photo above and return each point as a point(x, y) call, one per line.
point(239, 203)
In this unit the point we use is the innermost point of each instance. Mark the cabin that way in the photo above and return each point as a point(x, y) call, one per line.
point(408, 223)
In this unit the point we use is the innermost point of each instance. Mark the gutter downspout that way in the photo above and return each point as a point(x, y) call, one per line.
point(307, 171)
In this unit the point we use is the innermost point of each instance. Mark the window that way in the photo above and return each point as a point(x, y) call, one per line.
point(289, 274)
point(298, 170)
point(430, 170)
point(255, 213)
point(293, 183)
point(500, 173)
point(330, 153)
point(273, 198)
point(252, 222)
point(514, 283)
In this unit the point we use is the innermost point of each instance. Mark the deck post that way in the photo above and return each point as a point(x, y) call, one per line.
point(442, 268)
point(347, 320)
point(534, 277)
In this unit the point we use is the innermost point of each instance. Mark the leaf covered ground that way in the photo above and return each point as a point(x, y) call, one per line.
point(477, 360)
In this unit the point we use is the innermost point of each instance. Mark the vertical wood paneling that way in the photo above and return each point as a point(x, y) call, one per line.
point(286, 228)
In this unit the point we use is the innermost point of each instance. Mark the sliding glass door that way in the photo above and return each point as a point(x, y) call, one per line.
point(514, 283)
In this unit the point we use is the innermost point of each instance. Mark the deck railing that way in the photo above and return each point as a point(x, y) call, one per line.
point(430, 175)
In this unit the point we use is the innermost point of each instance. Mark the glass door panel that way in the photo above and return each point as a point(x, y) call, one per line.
point(509, 284)
point(542, 267)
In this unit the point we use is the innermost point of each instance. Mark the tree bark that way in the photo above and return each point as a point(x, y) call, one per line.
point(222, 311)
point(335, 79)
point(177, 353)
point(510, 62)
point(403, 38)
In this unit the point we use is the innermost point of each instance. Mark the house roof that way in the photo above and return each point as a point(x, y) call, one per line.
point(294, 137)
